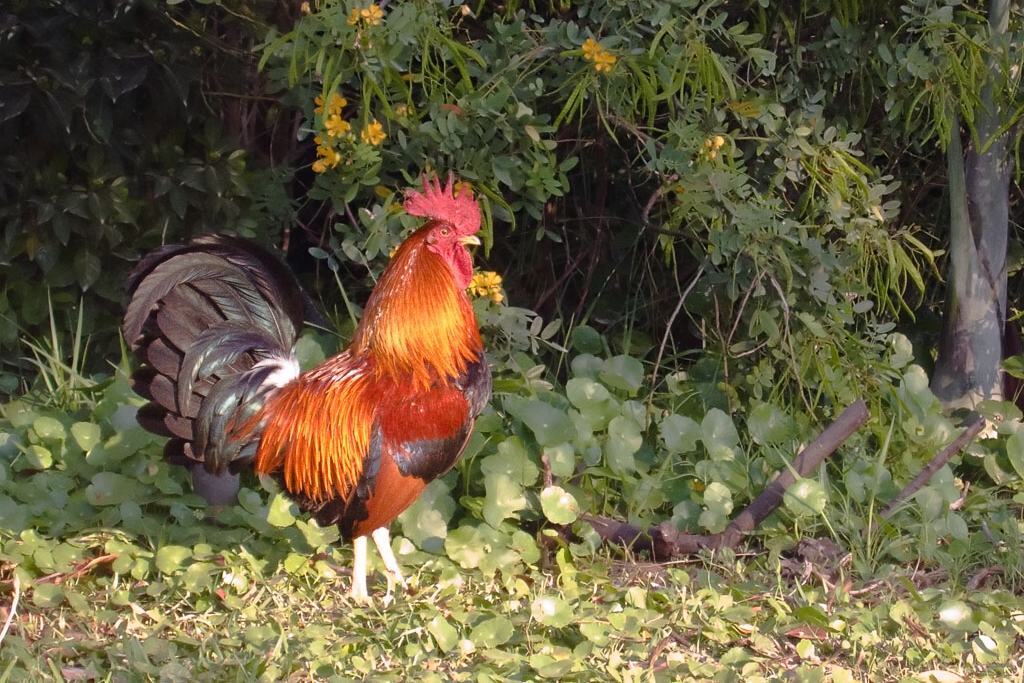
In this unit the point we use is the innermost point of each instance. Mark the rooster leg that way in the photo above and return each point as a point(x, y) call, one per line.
point(382, 539)
point(359, 593)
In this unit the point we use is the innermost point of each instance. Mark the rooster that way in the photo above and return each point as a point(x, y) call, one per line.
point(355, 440)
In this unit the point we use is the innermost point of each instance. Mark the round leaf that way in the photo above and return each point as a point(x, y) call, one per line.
point(559, 506)
point(86, 435)
point(48, 428)
point(171, 558)
point(957, 615)
point(550, 425)
point(806, 497)
point(623, 372)
point(281, 511)
point(551, 611)
point(680, 433)
point(492, 632)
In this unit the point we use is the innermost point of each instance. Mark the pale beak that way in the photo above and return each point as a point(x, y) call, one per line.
point(470, 239)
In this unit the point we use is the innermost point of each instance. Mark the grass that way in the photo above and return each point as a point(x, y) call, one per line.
point(120, 573)
point(239, 617)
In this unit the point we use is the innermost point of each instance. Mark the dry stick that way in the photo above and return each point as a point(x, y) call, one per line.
point(803, 464)
point(666, 542)
point(936, 463)
point(14, 607)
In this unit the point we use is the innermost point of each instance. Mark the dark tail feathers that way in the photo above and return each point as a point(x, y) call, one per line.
point(213, 323)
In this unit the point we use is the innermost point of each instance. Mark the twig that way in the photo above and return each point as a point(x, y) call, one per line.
point(934, 466)
point(60, 577)
point(545, 462)
point(14, 608)
point(665, 542)
point(668, 332)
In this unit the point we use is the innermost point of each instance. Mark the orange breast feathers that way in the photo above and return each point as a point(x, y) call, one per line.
point(417, 337)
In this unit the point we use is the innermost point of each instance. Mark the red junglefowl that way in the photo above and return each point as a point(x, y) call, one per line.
point(354, 440)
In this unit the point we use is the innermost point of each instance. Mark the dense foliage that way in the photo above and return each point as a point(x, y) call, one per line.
point(709, 227)
point(115, 137)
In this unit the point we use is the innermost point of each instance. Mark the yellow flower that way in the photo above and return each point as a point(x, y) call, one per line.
point(373, 134)
point(327, 156)
point(372, 15)
point(487, 283)
point(602, 59)
point(336, 127)
point(712, 145)
point(337, 104)
point(304, 8)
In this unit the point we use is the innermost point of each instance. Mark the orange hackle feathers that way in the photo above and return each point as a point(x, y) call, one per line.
point(314, 424)
point(417, 322)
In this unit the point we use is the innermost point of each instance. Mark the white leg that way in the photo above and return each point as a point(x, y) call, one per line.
point(359, 593)
point(382, 539)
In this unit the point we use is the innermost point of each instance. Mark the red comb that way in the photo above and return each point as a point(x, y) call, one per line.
point(442, 204)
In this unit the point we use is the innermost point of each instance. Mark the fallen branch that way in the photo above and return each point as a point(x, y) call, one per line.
point(934, 466)
point(665, 542)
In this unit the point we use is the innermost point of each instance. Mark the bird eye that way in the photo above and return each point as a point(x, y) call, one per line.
point(444, 232)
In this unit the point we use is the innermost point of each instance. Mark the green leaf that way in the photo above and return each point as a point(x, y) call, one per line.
point(1015, 452)
point(48, 428)
point(680, 433)
point(718, 497)
point(551, 610)
point(562, 458)
point(623, 372)
point(769, 425)
point(493, 632)
point(87, 268)
point(86, 435)
point(806, 497)
point(586, 339)
point(47, 595)
point(596, 632)
point(550, 425)
point(957, 615)
point(624, 440)
point(281, 511)
point(506, 474)
point(489, 550)
point(425, 522)
point(1014, 366)
point(590, 396)
point(719, 435)
point(171, 558)
point(111, 488)
point(446, 635)
point(296, 564)
point(35, 457)
point(559, 506)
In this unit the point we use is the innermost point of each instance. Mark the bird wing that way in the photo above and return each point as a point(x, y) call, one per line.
point(414, 438)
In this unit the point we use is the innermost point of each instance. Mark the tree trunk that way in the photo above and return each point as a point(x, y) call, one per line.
point(968, 368)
